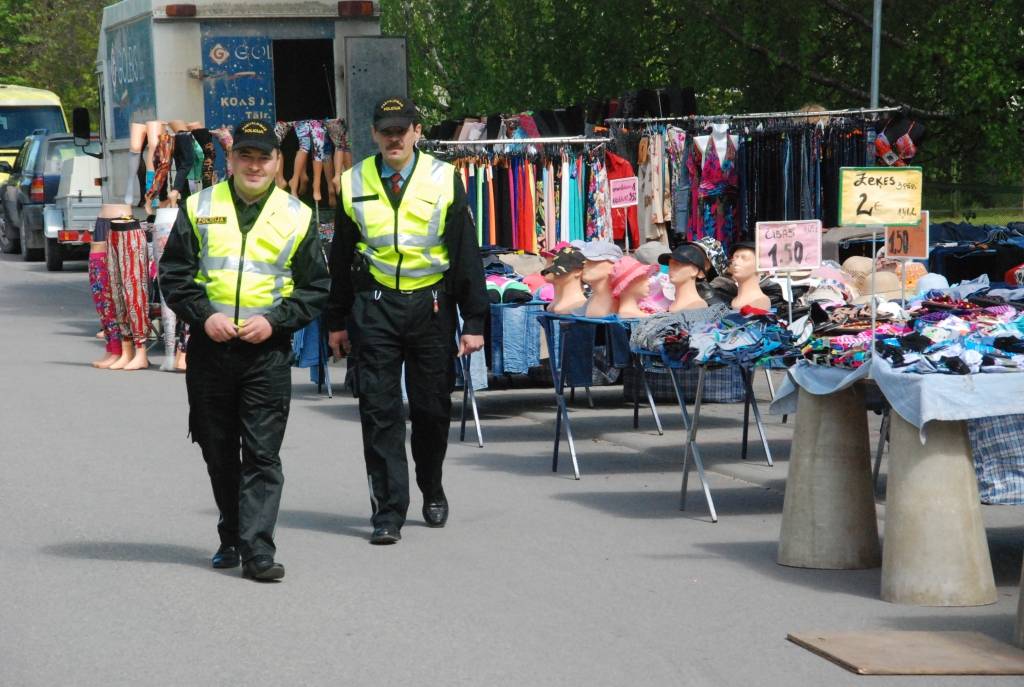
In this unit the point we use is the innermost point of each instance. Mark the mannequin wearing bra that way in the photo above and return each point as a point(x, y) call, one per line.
point(720, 135)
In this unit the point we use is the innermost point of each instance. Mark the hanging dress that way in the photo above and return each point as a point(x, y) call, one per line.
point(717, 195)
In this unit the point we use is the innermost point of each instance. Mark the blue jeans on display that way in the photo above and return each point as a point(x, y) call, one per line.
point(681, 196)
point(787, 178)
point(515, 338)
point(579, 349)
point(806, 207)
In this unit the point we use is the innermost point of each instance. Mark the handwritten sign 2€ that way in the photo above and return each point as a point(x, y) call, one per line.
point(908, 242)
point(879, 195)
point(788, 246)
point(624, 192)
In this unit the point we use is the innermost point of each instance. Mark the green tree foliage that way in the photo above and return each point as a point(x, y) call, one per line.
point(958, 64)
point(51, 44)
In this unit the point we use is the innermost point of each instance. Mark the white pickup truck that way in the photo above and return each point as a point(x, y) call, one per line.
point(68, 221)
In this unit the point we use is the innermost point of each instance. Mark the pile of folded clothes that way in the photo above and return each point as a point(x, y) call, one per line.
point(745, 338)
point(958, 330)
point(715, 336)
point(841, 336)
point(962, 337)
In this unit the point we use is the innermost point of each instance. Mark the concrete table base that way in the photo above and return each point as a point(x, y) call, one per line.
point(936, 552)
point(828, 517)
point(1020, 613)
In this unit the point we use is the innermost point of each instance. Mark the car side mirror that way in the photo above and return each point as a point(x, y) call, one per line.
point(81, 130)
point(5, 167)
point(80, 126)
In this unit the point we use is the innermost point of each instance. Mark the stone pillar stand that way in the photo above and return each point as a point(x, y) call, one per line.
point(828, 517)
point(936, 552)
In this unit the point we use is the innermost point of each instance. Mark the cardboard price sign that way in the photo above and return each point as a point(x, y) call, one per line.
point(625, 192)
point(880, 195)
point(788, 246)
point(908, 242)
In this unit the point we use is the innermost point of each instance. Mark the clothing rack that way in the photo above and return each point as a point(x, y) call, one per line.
point(792, 114)
point(564, 140)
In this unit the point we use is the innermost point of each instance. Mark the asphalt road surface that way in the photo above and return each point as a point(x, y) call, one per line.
point(108, 524)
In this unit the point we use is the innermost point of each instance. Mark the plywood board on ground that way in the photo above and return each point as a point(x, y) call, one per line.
point(914, 653)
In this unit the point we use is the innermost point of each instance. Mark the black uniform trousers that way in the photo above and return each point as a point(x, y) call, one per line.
point(239, 395)
point(389, 328)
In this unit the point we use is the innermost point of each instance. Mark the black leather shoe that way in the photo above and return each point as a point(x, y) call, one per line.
point(226, 557)
point(263, 569)
point(386, 534)
point(435, 513)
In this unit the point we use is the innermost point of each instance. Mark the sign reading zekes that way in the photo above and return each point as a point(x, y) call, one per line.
point(880, 195)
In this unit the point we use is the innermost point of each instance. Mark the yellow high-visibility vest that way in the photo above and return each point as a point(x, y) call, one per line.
point(246, 274)
point(404, 246)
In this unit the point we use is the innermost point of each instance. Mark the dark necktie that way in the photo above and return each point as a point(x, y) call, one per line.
point(396, 183)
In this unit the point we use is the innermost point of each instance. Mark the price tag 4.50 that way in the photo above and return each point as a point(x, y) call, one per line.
point(908, 242)
point(788, 246)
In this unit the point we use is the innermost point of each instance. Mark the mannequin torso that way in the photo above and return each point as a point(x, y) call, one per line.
point(684, 279)
point(744, 273)
point(720, 135)
point(569, 295)
point(598, 273)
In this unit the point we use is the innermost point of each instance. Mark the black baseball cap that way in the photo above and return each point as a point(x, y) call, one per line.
point(568, 259)
point(395, 112)
point(255, 133)
point(742, 245)
point(688, 254)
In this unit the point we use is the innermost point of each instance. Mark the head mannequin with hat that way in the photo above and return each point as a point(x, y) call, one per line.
point(565, 273)
point(743, 270)
point(600, 258)
point(686, 264)
point(630, 285)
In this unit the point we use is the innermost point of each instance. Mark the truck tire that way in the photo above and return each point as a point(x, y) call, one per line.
point(54, 255)
point(28, 254)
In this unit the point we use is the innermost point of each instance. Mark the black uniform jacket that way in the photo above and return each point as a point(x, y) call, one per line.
point(464, 280)
point(180, 264)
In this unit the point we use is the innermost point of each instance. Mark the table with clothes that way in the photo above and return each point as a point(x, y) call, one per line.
point(706, 340)
point(947, 365)
point(570, 341)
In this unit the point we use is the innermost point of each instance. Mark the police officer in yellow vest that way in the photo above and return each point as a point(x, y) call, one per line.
point(244, 267)
point(404, 256)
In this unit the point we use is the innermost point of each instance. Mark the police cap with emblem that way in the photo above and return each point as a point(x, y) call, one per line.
point(395, 112)
point(255, 133)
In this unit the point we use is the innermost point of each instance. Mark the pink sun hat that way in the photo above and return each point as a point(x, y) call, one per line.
point(627, 270)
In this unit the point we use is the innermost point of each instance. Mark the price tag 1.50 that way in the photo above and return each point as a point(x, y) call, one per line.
point(908, 242)
point(788, 246)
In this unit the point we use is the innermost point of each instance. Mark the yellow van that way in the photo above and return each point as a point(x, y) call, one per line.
point(23, 111)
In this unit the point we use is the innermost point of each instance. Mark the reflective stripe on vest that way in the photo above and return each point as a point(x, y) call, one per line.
point(264, 271)
point(417, 256)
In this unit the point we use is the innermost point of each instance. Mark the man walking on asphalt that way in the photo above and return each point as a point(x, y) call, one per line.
point(404, 255)
point(243, 266)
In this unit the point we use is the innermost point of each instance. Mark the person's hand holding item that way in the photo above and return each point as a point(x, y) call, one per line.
point(220, 328)
point(470, 343)
point(339, 344)
point(256, 330)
